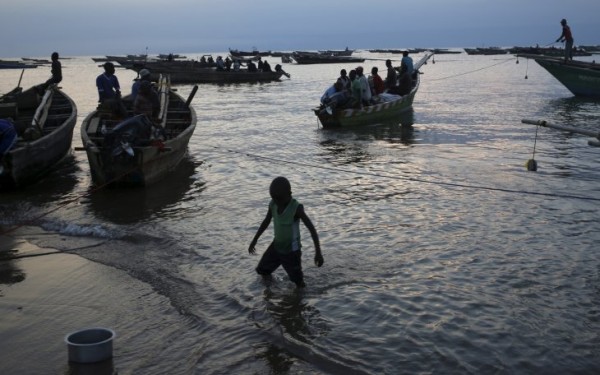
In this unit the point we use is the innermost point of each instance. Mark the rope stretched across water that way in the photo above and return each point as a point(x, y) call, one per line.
point(411, 179)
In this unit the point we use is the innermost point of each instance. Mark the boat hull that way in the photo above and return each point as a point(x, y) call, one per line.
point(27, 161)
point(146, 167)
point(579, 79)
point(192, 72)
point(374, 114)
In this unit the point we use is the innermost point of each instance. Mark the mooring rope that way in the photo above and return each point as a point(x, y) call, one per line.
point(472, 71)
point(411, 179)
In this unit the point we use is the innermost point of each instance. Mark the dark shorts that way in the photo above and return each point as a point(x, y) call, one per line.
point(292, 263)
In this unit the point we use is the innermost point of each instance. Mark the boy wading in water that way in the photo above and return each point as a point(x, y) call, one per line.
point(286, 213)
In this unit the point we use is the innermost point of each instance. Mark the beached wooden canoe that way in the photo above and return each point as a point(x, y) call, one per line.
point(137, 151)
point(580, 77)
point(389, 109)
point(44, 121)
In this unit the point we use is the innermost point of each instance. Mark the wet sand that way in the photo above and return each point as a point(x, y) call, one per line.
point(45, 295)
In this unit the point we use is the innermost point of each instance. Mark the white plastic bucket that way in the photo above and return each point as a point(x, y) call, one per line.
point(90, 345)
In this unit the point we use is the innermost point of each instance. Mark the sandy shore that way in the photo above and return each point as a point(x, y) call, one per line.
point(45, 295)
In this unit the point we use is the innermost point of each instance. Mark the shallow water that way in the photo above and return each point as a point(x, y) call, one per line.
point(443, 254)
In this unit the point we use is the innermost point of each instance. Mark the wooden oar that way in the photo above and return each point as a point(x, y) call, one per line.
point(20, 78)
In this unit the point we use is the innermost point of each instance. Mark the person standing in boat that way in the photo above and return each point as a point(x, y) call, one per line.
point(391, 80)
point(356, 89)
point(406, 64)
point(566, 37)
point(364, 85)
point(109, 91)
point(285, 250)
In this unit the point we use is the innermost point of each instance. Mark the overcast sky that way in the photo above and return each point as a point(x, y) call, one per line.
point(34, 28)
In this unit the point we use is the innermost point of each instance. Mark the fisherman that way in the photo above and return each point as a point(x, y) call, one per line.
point(406, 64)
point(109, 91)
point(566, 37)
point(56, 71)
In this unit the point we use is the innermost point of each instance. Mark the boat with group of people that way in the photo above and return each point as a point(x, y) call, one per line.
point(209, 70)
point(342, 110)
point(127, 141)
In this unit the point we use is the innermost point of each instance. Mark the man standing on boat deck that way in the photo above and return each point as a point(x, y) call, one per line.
point(364, 85)
point(406, 64)
point(566, 37)
point(392, 77)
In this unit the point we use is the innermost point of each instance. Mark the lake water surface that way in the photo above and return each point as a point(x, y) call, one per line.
point(443, 254)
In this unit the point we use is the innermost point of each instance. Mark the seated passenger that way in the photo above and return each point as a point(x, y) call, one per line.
point(147, 101)
point(220, 63)
point(251, 66)
point(266, 67)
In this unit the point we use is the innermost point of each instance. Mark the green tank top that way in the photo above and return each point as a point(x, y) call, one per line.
point(287, 229)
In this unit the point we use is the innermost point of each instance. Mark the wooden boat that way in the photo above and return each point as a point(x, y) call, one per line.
point(338, 52)
point(303, 57)
point(170, 56)
point(12, 64)
point(120, 152)
point(196, 72)
point(254, 52)
point(486, 51)
point(548, 51)
point(44, 121)
point(580, 77)
point(373, 114)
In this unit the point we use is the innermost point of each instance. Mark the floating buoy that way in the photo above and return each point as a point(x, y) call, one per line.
point(531, 165)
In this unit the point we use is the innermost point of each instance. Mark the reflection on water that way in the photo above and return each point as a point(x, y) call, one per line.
point(131, 205)
point(9, 273)
point(56, 185)
point(352, 145)
point(575, 111)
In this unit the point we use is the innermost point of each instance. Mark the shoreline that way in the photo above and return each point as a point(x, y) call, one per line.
point(46, 294)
